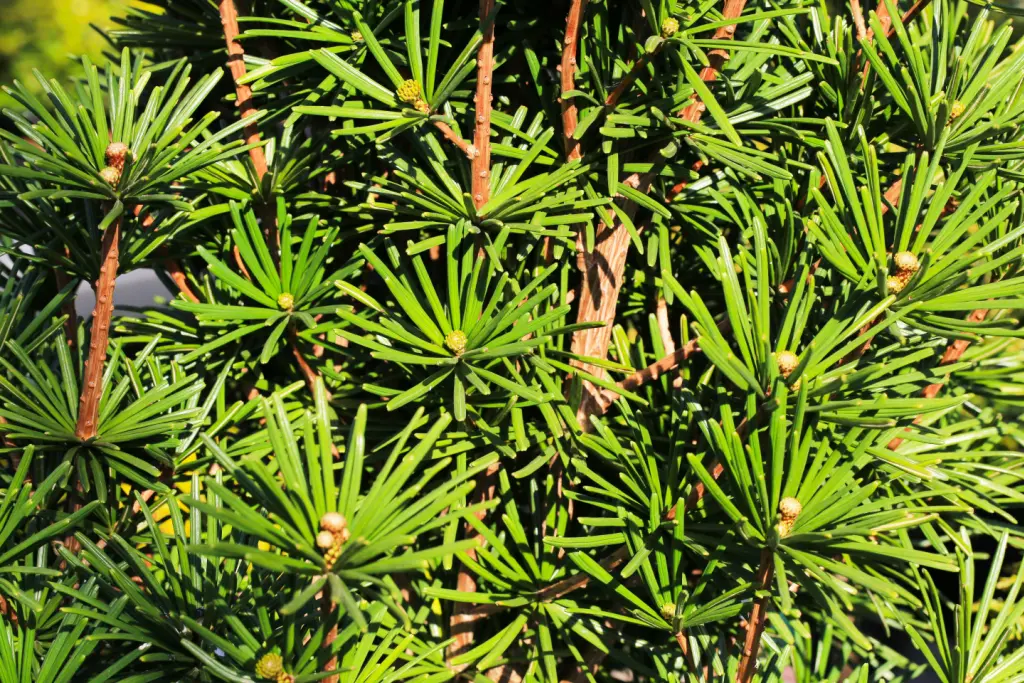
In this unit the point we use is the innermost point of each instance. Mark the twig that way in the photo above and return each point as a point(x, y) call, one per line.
point(756, 622)
point(858, 19)
point(308, 372)
point(327, 608)
point(627, 81)
point(454, 138)
point(951, 355)
point(92, 381)
point(463, 616)
point(177, 275)
point(462, 622)
point(716, 58)
point(481, 164)
point(569, 49)
point(243, 93)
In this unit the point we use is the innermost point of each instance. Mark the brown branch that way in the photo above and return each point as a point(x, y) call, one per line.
point(454, 138)
point(591, 664)
point(308, 372)
point(92, 381)
point(569, 49)
point(757, 620)
point(629, 79)
point(951, 355)
point(888, 27)
point(243, 93)
point(716, 58)
point(177, 275)
point(603, 270)
point(858, 19)
point(327, 608)
point(464, 616)
point(481, 165)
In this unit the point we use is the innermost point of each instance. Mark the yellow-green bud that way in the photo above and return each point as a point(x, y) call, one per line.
point(356, 36)
point(286, 301)
point(456, 341)
point(325, 540)
point(668, 611)
point(906, 261)
point(787, 361)
point(895, 284)
point(957, 109)
point(421, 106)
point(333, 522)
point(409, 91)
point(790, 509)
point(669, 27)
point(270, 665)
point(111, 175)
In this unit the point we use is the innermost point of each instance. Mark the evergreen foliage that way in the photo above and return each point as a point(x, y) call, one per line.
point(643, 340)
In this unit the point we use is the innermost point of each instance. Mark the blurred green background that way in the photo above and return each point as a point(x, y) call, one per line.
point(50, 35)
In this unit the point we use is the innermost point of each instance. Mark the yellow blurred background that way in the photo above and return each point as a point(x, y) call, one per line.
point(50, 35)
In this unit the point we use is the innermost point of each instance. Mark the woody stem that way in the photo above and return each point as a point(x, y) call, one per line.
point(92, 381)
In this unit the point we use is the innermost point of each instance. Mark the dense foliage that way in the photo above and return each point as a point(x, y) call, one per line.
point(576, 341)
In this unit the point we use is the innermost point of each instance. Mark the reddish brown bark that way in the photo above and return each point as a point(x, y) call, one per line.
point(179, 279)
point(757, 620)
point(599, 292)
point(570, 117)
point(454, 138)
point(327, 607)
point(481, 164)
point(464, 615)
point(92, 381)
point(243, 93)
point(716, 58)
point(951, 355)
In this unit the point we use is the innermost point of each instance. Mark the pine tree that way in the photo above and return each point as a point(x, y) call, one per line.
point(645, 340)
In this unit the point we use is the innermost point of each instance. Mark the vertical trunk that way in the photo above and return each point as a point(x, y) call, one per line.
point(92, 382)
point(599, 293)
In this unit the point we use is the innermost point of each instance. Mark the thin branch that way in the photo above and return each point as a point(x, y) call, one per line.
point(951, 355)
point(630, 78)
point(757, 620)
point(92, 381)
point(599, 292)
point(177, 275)
point(464, 616)
point(308, 372)
point(328, 608)
point(243, 93)
point(569, 49)
point(716, 58)
point(462, 622)
point(858, 19)
point(454, 138)
point(481, 164)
